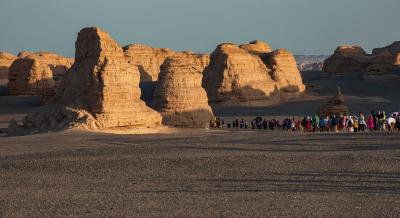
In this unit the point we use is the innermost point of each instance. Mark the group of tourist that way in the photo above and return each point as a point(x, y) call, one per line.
point(375, 121)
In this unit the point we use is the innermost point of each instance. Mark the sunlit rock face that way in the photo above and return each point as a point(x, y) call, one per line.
point(100, 91)
point(6, 59)
point(179, 96)
point(236, 74)
point(37, 73)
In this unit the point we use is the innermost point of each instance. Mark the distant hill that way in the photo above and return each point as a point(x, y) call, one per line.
point(310, 62)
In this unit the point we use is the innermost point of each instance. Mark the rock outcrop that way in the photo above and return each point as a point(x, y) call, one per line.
point(37, 73)
point(385, 62)
point(257, 47)
point(234, 74)
point(100, 91)
point(347, 59)
point(393, 49)
point(310, 62)
point(149, 60)
point(6, 59)
point(284, 71)
point(336, 105)
point(381, 65)
point(179, 96)
point(250, 72)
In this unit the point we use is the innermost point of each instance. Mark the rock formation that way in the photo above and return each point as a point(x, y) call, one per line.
point(234, 74)
point(335, 105)
point(179, 95)
point(393, 49)
point(101, 90)
point(37, 74)
point(381, 65)
point(281, 64)
point(284, 71)
point(310, 62)
point(346, 59)
point(385, 62)
point(149, 60)
point(257, 47)
point(6, 60)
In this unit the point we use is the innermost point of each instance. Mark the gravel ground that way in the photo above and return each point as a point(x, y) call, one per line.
point(200, 173)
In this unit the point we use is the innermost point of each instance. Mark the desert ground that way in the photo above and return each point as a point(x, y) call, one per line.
point(208, 173)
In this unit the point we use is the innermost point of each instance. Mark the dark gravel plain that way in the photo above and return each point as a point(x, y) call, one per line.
point(200, 173)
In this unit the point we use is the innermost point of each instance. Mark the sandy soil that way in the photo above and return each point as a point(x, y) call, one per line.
point(207, 173)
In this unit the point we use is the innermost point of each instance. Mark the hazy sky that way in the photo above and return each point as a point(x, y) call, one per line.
point(303, 26)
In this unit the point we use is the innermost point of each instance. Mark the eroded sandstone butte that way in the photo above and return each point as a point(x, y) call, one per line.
point(250, 72)
point(281, 64)
point(284, 71)
point(149, 59)
point(179, 96)
point(6, 59)
point(234, 74)
point(382, 63)
point(37, 73)
point(347, 59)
point(257, 47)
point(100, 91)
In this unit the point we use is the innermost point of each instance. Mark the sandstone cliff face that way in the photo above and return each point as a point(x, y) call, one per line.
point(381, 64)
point(234, 74)
point(346, 59)
point(6, 60)
point(147, 59)
point(257, 47)
point(37, 73)
point(284, 71)
point(179, 96)
point(101, 90)
point(310, 62)
point(385, 62)
point(393, 49)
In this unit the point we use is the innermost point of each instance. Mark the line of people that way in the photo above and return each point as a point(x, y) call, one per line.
point(375, 121)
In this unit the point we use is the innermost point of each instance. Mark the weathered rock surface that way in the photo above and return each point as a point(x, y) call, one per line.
point(6, 59)
point(385, 62)
point(336, 105)
point(149, 60)
point(284, 71)
point(100, 91)
point(393, 49)
point(37, 73)
point(347, 59)
point(382, 64)
point(310, 62)
point(179, 96)
point(257, 47)
point(234, 74)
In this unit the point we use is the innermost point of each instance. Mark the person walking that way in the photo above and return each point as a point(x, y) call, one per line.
point(371, 122)
point(361, 122)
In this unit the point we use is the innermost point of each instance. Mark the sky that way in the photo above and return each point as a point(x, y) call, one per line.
point(302, 26)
